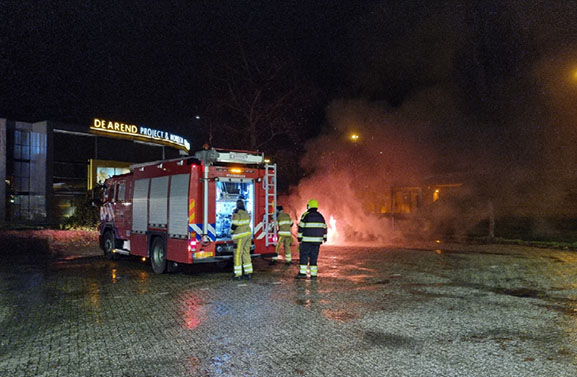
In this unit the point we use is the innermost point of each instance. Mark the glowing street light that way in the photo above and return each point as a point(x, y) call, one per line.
point(355, 137)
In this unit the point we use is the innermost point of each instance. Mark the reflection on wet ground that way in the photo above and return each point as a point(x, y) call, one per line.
point(392, 312)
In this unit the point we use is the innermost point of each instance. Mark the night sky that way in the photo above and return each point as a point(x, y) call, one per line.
point(462, 75)
point(151, 61)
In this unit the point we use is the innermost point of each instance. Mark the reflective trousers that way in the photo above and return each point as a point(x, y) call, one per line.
point(242, 259)
point(309, 254)
point(284, 242)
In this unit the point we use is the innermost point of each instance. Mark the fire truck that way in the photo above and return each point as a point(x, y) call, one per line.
point(179, 211)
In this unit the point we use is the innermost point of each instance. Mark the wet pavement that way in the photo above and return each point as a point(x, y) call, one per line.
point(451, 311)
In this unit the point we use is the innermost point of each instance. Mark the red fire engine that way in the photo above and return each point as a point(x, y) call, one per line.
point(180, 210)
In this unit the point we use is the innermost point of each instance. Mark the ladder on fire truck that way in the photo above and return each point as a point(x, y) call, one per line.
point(269, 186)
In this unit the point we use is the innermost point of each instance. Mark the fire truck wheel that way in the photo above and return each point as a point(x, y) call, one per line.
point(158, 256)
point(108, 245)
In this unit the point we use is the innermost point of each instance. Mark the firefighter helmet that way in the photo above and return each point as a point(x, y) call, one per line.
point(313, 204)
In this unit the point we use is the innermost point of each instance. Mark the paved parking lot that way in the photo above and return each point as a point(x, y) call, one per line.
point(453, 311)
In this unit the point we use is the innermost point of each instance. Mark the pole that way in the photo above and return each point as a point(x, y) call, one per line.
point(205, 167)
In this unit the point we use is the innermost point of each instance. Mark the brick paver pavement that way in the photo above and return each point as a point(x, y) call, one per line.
point(455, 311)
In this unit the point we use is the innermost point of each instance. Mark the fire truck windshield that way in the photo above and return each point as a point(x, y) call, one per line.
point(228, 191)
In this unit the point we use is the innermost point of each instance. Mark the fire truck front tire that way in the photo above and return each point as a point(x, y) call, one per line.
point(108, 245)
point(158, 256)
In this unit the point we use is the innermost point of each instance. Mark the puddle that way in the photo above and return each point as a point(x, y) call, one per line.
point(381, 339)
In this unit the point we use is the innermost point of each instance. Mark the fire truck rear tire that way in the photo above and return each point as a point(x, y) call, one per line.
point(158, 256)
point(108, 245)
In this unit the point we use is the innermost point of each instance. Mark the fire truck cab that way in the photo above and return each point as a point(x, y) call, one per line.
point(180, 210)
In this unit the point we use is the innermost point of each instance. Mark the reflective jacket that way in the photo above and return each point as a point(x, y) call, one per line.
point(312, 227)
point(284, 223)
point(240, 226)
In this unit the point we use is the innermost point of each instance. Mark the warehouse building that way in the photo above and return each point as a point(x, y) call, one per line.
point(46, 165)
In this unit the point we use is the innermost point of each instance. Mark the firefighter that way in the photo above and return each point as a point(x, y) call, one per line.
point(284, 223)
point(241, 236)
point(312, 233)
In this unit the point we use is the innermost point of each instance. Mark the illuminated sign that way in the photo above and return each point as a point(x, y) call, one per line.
point(132, 131)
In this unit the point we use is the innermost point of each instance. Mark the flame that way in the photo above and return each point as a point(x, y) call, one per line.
point(332, 231)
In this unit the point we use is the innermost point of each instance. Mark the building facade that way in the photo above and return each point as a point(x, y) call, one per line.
point(46, 166)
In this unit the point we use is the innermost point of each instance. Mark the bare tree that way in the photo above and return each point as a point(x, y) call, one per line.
point(262, 102)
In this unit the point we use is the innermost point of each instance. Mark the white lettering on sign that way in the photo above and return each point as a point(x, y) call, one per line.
point(115, 126)
point(133, 131)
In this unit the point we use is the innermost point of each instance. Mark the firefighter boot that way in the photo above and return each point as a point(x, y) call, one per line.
point(302, 272)
point(275, 258)
point(247, 277)
point(314, 272)
point(236, 278)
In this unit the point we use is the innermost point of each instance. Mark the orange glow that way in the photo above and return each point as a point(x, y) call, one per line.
point(354, 137)
point(332, 231)
point(235, 170)
point(143, 259)
point(94, 294)
point(436, 195)
point(192, 311)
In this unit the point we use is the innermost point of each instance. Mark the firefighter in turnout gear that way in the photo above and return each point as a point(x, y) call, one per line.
point(241, 236)
point(284, 223)
point(312, 233)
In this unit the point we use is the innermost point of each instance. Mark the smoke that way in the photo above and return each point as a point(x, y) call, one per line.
point(350, 176)
point(522, 173)
point(495, 116)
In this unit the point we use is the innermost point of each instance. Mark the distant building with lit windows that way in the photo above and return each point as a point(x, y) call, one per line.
point(45, 166)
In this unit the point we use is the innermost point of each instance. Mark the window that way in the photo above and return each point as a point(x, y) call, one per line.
point(121, 192)
point(21, 161)
point(21, 207)
point(113, 191)
point(21, 145)
point(28, 168)
point(21, 176)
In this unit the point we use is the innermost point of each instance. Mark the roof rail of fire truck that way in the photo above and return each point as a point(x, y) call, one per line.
point(228, 155)
point(150, 163)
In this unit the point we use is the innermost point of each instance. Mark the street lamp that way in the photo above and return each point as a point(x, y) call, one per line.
point(355, 138)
